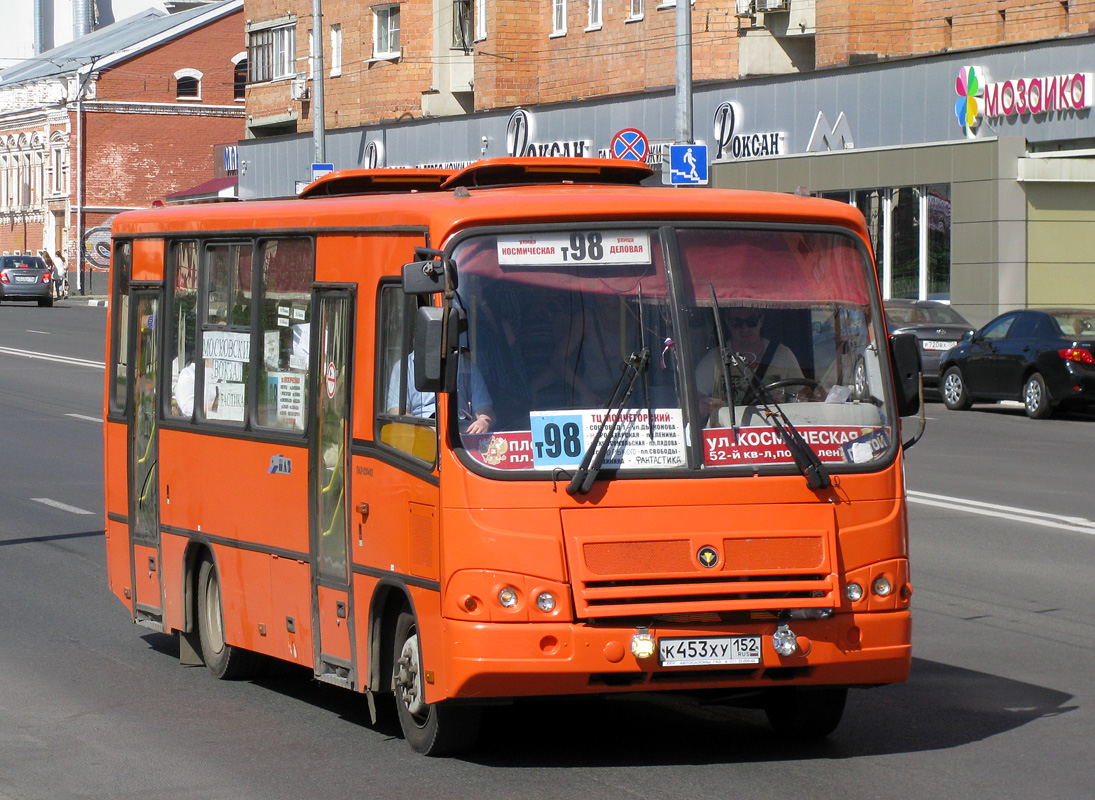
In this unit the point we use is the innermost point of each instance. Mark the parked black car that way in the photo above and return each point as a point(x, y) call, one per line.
point(1044, 358)
point(937, 328)
point(26, 278)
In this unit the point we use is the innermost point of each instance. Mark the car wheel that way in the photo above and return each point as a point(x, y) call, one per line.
point(432, 729)
point(46, 303)
point(1036, 398)
point(954, 391)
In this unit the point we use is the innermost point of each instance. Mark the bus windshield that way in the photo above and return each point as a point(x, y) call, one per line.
point(579, 334)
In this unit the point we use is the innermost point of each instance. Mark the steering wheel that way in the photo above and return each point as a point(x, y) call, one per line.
point(808, 383)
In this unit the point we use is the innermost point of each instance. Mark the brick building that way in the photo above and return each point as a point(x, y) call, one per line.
point(859, 102)
point(115, 120)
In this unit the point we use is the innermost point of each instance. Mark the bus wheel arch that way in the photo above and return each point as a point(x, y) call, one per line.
point(225, 661)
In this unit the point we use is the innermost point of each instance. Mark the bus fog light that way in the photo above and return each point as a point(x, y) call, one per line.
point(545, 601)
point(854, 592)
point(508, 597)
point(642, 645)
point(882, 586)
point(784, 641)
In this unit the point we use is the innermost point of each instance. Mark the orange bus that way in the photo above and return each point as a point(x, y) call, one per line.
point(530, 428)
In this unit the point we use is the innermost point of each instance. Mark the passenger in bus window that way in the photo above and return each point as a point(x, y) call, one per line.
point(769, 359)
point(474, 404)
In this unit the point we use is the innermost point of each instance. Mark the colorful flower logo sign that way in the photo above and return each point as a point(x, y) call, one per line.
point(970, 106)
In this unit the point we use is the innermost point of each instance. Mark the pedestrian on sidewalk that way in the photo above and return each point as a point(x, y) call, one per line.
point(60, 275)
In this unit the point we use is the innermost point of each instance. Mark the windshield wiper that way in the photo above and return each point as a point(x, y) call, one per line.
point(587, 471)
point(817, 476)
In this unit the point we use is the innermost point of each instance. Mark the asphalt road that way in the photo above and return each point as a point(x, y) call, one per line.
point(1000, 702)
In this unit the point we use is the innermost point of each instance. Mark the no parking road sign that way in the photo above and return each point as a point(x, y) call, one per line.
point(630, 144)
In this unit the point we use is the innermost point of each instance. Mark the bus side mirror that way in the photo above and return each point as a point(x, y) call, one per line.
point(426, 274)
point(434, 364)
point(905, 361)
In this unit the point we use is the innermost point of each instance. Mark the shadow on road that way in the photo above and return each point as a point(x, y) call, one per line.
point(940, 707)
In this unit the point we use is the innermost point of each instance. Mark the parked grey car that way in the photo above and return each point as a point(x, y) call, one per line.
point(26, 278)
point(937, 327)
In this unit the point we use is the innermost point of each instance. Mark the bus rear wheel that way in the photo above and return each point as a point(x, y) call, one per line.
point(805, 712)
point(432, 729)
point(225, 661)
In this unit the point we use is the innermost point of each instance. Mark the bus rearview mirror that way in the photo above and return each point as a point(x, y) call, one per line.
point(426, 275)
point(435, 362)
point(905, 360)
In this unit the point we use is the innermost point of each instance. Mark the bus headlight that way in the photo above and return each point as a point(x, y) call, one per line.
point(882, 586)
point(854, 592)
point(507, 597)
point(545, 601)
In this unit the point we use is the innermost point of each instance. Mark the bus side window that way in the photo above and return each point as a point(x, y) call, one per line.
point(226, 332)
point(287, 266)
point(182, 333)
point(406, 418)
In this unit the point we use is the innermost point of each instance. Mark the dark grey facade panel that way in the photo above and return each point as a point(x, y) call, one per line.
point(889, 104)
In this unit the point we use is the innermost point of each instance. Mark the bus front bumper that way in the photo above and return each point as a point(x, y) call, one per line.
point(499, 660)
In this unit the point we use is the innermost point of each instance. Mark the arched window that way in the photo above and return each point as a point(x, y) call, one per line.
point(188, 84)
point(239, 76)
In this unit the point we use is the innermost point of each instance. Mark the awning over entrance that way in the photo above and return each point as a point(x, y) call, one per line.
point(212, 191)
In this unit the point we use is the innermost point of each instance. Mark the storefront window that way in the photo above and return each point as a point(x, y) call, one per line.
point(939, 241)
point(905, 263)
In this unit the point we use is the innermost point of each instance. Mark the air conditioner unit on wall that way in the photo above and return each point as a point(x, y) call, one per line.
point(767, 6)
point(298, 89)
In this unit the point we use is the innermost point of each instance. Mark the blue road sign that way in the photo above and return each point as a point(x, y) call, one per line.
point(688, 164)
point(630, 144)
point(319, 170)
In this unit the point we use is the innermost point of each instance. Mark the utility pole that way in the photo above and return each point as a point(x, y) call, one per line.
point(318, 131)
point(684, 72)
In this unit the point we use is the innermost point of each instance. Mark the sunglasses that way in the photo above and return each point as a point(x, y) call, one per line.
point(737, 323)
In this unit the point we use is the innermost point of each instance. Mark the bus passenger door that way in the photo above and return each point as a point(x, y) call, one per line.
point(143, 480)
point(332, 616)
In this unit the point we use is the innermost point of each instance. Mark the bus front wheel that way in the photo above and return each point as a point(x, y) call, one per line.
point(225, 661)
point(805, 712)
point(432, 729)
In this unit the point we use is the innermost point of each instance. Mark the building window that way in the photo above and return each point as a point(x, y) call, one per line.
point(188, 84)
point(386, 31)
point(336, 50)
point(558, 17)
point(480, 20)
point(594, 15)
point(58, 184)
point(636, 10)
point(462, 24)
point(239, 77)
point(271, 53)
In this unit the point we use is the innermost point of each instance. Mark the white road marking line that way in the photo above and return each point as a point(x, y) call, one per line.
point(1029, 516)
point(44, 333)
point(84, 416)
point(77, 362)
point(62, 506)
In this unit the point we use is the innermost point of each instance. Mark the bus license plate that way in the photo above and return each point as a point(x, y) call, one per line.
point(710, 651)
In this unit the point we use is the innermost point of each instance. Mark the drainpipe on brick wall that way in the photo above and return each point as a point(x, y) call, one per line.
point(80, 177)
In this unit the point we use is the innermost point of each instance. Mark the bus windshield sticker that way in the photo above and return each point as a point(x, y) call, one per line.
point(834, 444)
point(560, 438)
point(575, 249)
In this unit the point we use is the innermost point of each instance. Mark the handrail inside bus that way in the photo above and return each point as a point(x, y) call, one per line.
point(521, 171)
point(376, 181)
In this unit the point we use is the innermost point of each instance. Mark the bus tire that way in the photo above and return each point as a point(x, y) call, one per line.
point(807, 712)
point(432, 729)
point(225, 661)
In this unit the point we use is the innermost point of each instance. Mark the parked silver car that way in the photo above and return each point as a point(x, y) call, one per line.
point(26, 278)
point(937, 327)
